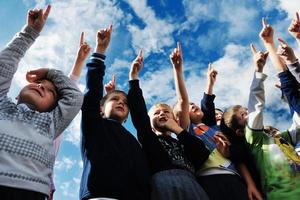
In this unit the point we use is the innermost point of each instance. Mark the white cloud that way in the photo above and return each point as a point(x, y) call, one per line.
point(73, 133)
point(156, 34)
point(66, 163)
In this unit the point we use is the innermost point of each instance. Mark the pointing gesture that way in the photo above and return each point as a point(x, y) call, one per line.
point(84, 48)
point(111, 85)
point(286, 52)
point(267, 32)
point(294, 28)
point(176, 57)
point(136, 66)
point(103, 39)
point(37, 18)
point(259, 58)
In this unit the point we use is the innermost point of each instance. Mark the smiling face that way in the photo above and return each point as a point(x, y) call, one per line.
point(115, 106)
point(195, 113)
point(41, 95)
point(159, 114)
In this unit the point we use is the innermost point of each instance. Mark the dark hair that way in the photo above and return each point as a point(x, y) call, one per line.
point(104, 99)
point(218, 109)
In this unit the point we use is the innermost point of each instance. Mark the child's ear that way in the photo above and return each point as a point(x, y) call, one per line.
point(239, 132)
point(17, 98)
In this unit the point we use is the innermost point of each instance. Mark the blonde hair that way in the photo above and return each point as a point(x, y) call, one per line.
point(160, 105)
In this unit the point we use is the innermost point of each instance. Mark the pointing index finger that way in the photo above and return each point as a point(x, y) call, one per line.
point(47, 11)
point(81, 41)
point(264, 22)
point(253, 49)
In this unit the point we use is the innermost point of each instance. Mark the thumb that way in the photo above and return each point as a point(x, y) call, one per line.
point(282, 42)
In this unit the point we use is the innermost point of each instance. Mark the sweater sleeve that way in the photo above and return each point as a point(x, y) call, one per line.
point(290, 89)
point(256, 102)
point(208, 109)
point(69, 103)
point(157, 156)
point(295, 70)
point(194, 148)
point(11, 55)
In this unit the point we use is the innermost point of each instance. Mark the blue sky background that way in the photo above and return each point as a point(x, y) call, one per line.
point(216, 31)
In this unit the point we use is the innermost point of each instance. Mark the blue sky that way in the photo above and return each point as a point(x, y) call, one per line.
point(216, 31)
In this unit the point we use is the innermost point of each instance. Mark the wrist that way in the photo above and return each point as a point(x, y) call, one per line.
point(177, 130)
point(100, 50)
point(291, 60)
point(133, 77)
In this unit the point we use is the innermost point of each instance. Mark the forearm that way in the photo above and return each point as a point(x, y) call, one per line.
point(94, 84)
point(275, 59)
point(256, 101)
point(209, 88)
point(246, 175)
point(288, 83)
point(294, 68)
point(69, 102)
point(208, 109)
point(77, 68)
point(11, 55)
point(182, 99)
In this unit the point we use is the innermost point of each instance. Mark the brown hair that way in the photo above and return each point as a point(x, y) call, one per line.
point(230, 118)
point(104, 99)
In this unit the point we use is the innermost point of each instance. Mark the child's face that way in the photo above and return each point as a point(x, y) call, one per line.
point(42, 95)
point(218, 115)
point(242, 115)
point(115, 107)
point(195, 113)
point(159, 115)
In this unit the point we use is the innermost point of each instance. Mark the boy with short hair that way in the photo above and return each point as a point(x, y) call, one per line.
point(114, 165)
point(44, 109)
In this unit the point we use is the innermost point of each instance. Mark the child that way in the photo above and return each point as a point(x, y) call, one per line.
point(114, 165)
point(74, 75)
point(44, 109)
point(218, 172)
point(172, 162)
point(219, 115)
point(278, 180)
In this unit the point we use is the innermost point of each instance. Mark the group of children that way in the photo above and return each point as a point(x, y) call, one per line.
point(182, 152)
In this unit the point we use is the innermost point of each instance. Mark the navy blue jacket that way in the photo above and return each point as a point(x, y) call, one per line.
point(114, 164)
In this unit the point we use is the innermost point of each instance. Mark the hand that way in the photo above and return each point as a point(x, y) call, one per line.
point(286, 52)
point(103, 39)
point(211, 75)
point(37, 18)
point(136, 66)
point(253, 193)
point(267, 32)
point(35, 75)
point(171, 125)
point(294, 28)
point(176, 57)
point(222, 144)
point(259, 58)
point(111, 85)
point(84, 49)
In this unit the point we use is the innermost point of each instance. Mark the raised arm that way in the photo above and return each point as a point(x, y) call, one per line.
point(294, 28)
point(256, 101)
point(95, 74)
point(11, 55)
point(182, 96)
point(266, 36)
point(69, 96)
point(157, 156)
point(82, 54)
point(207, 102)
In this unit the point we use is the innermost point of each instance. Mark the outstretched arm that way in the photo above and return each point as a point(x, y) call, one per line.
point(182, 96)
point(95, 74)
point(16, 49)
point(207, 102)
point(82, 54)
point(256, 101)
point(266, 36)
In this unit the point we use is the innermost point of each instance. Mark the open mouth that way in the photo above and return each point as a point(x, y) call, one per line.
point(120, 108)
point(163, 119)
